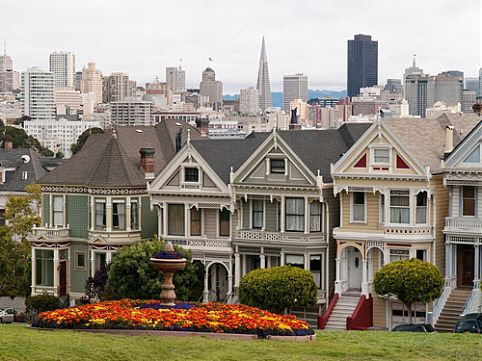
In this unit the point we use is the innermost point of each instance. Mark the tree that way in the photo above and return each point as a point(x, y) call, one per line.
point(20, 139)
point(278, 288)
point(95, 287)
point(22, 212)
point(77, 147)
point(59, 155)
point(411, 281)
point(131, 275)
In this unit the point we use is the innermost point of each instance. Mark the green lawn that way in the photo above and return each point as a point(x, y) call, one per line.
point(17, 342)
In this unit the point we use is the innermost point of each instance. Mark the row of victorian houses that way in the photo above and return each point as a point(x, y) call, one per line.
point(340, 203)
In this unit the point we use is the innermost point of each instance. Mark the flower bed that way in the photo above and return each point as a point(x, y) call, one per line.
point(211, 317)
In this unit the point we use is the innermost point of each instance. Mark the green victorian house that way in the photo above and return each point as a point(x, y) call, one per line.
point(96, 202)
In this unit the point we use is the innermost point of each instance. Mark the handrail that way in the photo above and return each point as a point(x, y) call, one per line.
point(323, 320)
point(362, 317)
point(471, 302)
point(440, 303)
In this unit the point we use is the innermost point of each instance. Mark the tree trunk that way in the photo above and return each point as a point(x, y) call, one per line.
point(409, 308)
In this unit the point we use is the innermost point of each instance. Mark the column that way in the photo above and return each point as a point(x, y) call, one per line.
point(338, 276)
point(477, 265)
point(244, 265)
point(108, 257)
point(262, 259)
point(92, 213)
point(282, 215)
point(33, 272)
point(92, 263)
point(230, 285)
point(108, 214)
point(159, 222)
point(282, 259)
point(164, 219)
point(56, 271)
point(307, 216)
point(187, 223)
point(365, 290)
point(237, 270)
point(206, 287)
point(448, 262)
point(307, 261)
point(128, 214)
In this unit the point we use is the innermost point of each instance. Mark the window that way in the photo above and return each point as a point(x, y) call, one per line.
point(295, 260)
point(224, 223)
point(134, 213)
point(381, 155)
point(44, 267)
point(257, 213)
point(468, 201)
point(295, 214)
point(422, 254)
point(175, 219)
point(119, 214)
point(315, 216)
point(79, 260)
point(2, 217)
point(315, 268)
point(195, 222)
point(400, 207)
point(421, 212)
point(382, 209)
point(58, 210)
point(100, 260)
point(399, 254)
point(277, 166)
point(358, 214)
point(191, 175)
point(100, 214)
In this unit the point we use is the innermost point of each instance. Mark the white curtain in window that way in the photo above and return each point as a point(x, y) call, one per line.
point(99, 215)
point(315, 216)
point(118, 214)
point(295, 214)
point(399, 207)
point(58, 210)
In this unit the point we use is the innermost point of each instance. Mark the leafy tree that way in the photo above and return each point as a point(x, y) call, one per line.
point(411, 281)
point(278, 288)
point(77, 147)
point(20, 139)
point(132, 276)
point(22, 212)
point(59, 155)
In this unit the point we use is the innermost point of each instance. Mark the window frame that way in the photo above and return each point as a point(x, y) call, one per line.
point(58, 212)
point(406, 194)
point(463, 200)
point(319, 215)
point(352, 207)
point(191, 219)
point(76, 265)
point(296, 215)
point(115, 205)
point(171, 218)
point(222, 223)
point(259, 212)
point(185, 175)
point(422, 207)
point(277, 170)
point(103, 226)
point(134, 214)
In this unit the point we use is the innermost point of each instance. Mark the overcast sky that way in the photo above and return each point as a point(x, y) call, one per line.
point(142, 37)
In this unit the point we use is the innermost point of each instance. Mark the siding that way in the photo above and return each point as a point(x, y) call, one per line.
point(78, 276)
point(372, 209)
point(77, 208)
point(441, 208)
point(148, 220)
point(333, 204)
point(379, 311)
point(271, 215)
point(45, 209)
point(246, 210)
point(210, 225)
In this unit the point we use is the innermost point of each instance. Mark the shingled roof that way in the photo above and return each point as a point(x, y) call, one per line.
point(113, 159)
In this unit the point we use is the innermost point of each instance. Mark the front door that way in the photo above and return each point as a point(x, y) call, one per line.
point(354, 268)
point(465, 265)
point(63, 278)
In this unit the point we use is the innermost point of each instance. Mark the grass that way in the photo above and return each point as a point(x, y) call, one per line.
point(18, 342)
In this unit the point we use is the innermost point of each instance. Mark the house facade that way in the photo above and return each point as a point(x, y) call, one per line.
point(393, 206)
point(96, 202)
point(259, 202)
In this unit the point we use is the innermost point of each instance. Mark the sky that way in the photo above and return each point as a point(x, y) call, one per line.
point(142, 37)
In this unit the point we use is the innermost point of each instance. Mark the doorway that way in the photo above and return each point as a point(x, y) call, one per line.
point(465, 265)
point(354, 268)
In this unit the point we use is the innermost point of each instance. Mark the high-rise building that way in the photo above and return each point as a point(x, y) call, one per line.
point(211, 88)
point(92, 82)
point(469, 99)
point(131, 113)
point(37, 94)
point(117, 87)
point(294, 87)
point(413, 70)
point(262, 85)
point(176, 79)
point(62, 65)
point(249, 101)
point(67, 101)
point(472, 84)
point(362, 63)
point(6, 73)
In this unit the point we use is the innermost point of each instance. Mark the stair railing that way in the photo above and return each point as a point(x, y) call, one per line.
point(473, 302)
point(323, 320)
point(440, 303)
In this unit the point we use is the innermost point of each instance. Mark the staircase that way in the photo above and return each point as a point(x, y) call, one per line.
point(453, 308)
point(344, 307)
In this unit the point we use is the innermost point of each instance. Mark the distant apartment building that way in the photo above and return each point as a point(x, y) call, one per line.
point(59, 133)
point(211, 88)
point(62, 65)
point(362, 63)
point(37, 94)
point(249, 101)
point(440, 108)
point(469, 98)
point(92, 82)
point(131, 113)
point(294, 87)
point(117, 87)
point(472, 84)
point(176, 79)
point(6, 73)
point(67, 101)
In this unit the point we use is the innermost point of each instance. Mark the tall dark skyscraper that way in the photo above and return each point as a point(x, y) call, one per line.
point(362, 63)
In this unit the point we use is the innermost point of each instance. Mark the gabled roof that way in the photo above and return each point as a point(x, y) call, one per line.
point(33, 164)
point(113, 160)
point(425, 138)
point(451, 158)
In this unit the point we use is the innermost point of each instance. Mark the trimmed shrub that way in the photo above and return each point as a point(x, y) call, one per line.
point(278, 288)
point(41, 303)
point(131, 276)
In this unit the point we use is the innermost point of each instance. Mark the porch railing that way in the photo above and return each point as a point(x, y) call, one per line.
point(463, 224)
point(273, 237)
point(52, 231)
point(200, 242)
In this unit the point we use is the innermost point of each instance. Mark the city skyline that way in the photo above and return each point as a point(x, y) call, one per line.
point(315, 47)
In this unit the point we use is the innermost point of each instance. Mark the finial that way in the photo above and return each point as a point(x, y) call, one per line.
point(169, 247)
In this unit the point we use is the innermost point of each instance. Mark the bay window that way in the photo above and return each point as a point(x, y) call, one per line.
point(295, 260)
point(358, 207)
point(224, 226)
point(195, 215)
point(315, 216)
point(257, 213)
point(315, 268)
point(295, 214)
point(175, 219)
point(100, 215)
point(468, 201)
point(58, 210)
point(421, 212)
point(134, 213)
point(399, 206)
point(118, 214)
point(44, 267)
point(382, 209)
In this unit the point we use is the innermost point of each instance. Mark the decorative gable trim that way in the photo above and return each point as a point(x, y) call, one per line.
point(455, 161)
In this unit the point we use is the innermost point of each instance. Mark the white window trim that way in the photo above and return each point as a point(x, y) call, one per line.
point(76, 264)
point(218, 223)
point(251, 208)
point(183, 174)
point(167, 219)
point(427, 208)
point(352, 209)
point(412, 207)
point(373, 164)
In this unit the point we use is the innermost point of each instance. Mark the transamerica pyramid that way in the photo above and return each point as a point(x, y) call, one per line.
point(263, 85)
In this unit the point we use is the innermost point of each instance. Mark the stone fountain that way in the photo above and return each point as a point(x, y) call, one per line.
point(168, 262)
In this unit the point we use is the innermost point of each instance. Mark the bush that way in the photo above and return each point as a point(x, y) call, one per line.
point(95, 287)
point(131, 275)
point(42, 303)
point(278, 288)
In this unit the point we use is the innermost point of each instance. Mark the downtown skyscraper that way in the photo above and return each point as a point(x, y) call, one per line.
point(262, 85)
point(62, 65)
point(362, 64)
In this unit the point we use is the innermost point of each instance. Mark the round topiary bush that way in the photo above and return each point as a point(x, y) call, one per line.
point(278, 288)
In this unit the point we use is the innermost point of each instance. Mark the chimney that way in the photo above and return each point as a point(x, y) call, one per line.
point(449, 138)
point(8, 145)
point(147, 161)
point(178, 140)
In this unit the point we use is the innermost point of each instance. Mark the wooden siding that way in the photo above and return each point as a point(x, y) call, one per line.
point(271, 215)
point(379, 311)
point(148, 219)
point(210, 222)
point(45, 209)
point(207, 182)
point(441, 208)
point(372, 212)
point(77, 208)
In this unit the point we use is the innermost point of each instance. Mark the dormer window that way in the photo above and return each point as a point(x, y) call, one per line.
point(191, 175)
point(381, 155)
point(277, 166)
